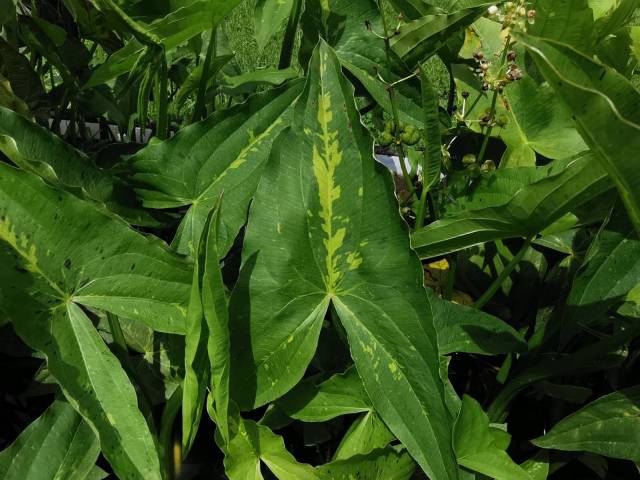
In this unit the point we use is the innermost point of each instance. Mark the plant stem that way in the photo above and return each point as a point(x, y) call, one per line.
point(420, 212)
point(118, 338)
point(171, 409)
point(394, 107)
point(289, 40)
point(451, 98)
point(451, 277)
point(162, 122)
point(494, 100)
point(473, 105)
point(493, 288)
point(198, 110)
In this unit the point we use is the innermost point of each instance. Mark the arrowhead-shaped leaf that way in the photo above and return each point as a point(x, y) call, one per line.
point(90, 376)
point(314, 237)
point(59, 251)
point(86, 255)
point(225, 153)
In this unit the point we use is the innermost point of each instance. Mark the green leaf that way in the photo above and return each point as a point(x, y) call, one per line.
point(192, 82)
point(605, 107)
point(248, 82)
point(269, 17)
point(25, 82)
point(537, 122)
point(59, 444)
point(367, 433)
point(479, 449)
point(609, 426)
point(252, 444)
point(83, 254)
point(10, 100)
point(566, 186)
point(616, 18)
point(611, 270)
point(342, 394)
point(469, 330)
point(537, 466)
point(33, 148)
point(207, 340)
point(570, 21)
point(313, 239)
point(387, 463)
point(594, 357)
point(420, 39)
point(90, 376)
point(342, 23)
point(432, 155)
point(177, 27)
point(225, 153)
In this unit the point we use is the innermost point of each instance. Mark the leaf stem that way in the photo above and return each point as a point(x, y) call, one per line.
point(473, 105)
point(451, 277)
point(118, 338)
point(289, 40)
point(171, 462)
point(198, 110)
point(162, 122)
point(394, 108)
point(497, 283)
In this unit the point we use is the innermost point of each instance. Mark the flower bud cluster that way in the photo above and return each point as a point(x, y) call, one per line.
point(513, 14)
point(493, 79)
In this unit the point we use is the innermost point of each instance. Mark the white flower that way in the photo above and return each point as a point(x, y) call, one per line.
point(493, 10)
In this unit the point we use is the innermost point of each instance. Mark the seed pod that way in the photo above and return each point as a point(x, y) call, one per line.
point(390, 127)
point(474, 171)
point(410, 138)
point(478, 55)
point(469, 159)
point(511, 56)
point(385, 139)
point(465, 94)
point(488, 166)
point(485, 87)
